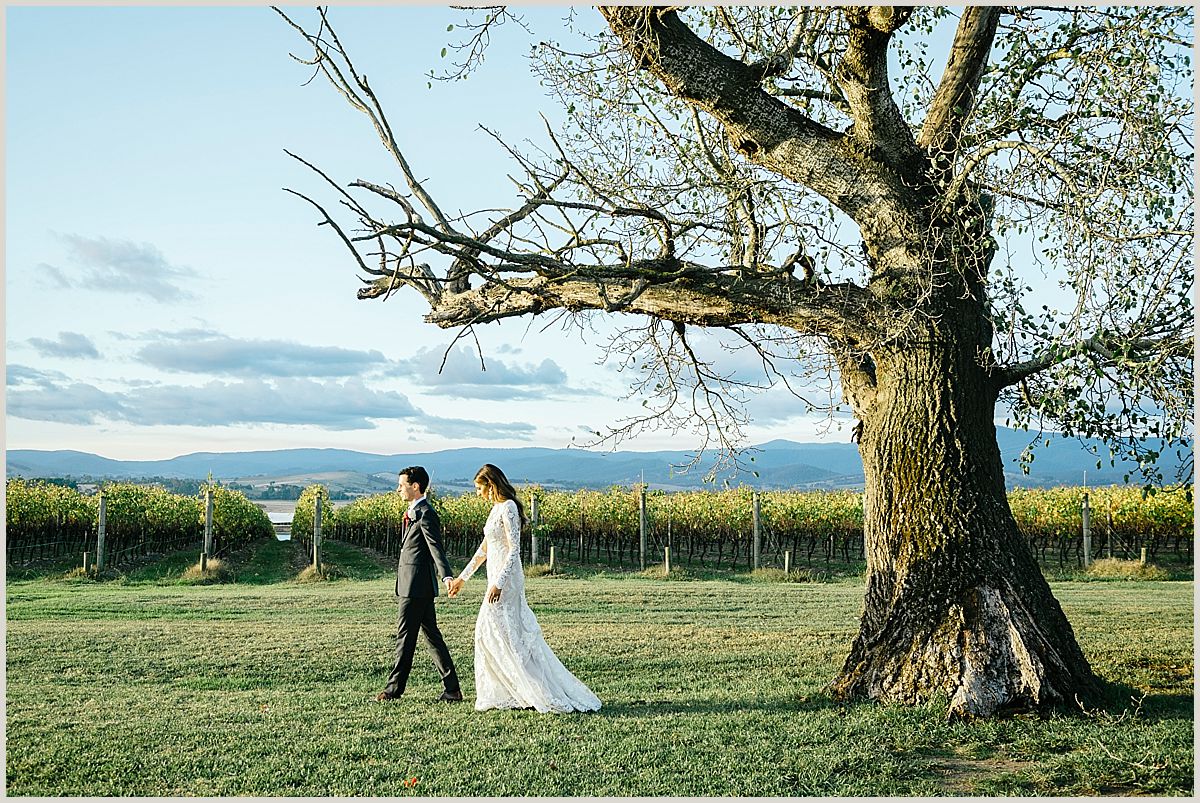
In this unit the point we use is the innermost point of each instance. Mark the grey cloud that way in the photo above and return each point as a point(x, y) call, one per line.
point(55, 275)
point(778, 405)
point(69, 403)
point(162, 334)
point(24, 375)
point(121, 266)
point(458, 428)
point(199, 351)
point(329, 405)
point(347, 405)
point(462, 377)
point(69, 344)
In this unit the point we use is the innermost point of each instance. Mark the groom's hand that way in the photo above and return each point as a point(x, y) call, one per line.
point(456, 586)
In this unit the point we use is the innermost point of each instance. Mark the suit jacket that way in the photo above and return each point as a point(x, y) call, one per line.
point(422, 563)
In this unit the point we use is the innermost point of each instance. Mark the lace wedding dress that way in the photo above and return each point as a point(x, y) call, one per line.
point(514, 666)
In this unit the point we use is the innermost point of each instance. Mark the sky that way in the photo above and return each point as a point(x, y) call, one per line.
point(164, 295)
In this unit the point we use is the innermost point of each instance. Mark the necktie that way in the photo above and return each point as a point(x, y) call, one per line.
point(406, 519)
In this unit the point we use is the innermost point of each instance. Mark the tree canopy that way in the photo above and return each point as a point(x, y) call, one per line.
point(746, 168)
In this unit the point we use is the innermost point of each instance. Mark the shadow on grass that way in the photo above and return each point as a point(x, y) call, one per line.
point(44, 569)
point(640, 709)
point(150, 568)
point(1120, 701)
point(356, 563)
point(685, 573)
point(266, 562)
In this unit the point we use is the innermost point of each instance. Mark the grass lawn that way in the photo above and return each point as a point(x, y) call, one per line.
point(145, 685)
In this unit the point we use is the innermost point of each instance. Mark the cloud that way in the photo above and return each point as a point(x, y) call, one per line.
point(461, 429)
point(69, 344)
point(205, 352)
point(55, 275)
point(163, 334)
point(329, 405)
point(24, 375)
point(121, 266)
point(778, 405)
point(462, 376)
point(67, 403)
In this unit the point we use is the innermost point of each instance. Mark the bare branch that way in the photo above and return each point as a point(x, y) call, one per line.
point(955, 97)
point(335, 62)
point(329, 221)
point(458, 273)
point(1112, 351)
point(692, 295)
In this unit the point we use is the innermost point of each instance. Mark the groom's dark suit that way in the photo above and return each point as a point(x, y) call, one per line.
point(421, 558)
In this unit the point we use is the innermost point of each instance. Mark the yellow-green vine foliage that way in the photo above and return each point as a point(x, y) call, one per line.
point(306, 506)
point(236, 520)
point(725, 517)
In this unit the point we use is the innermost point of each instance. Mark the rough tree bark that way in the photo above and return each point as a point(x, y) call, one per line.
point(955, 602)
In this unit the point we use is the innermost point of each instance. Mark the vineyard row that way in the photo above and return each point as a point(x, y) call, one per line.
point(51, 521)
point(714, 528)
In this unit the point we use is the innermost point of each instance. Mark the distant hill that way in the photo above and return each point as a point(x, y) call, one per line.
point(779, 463)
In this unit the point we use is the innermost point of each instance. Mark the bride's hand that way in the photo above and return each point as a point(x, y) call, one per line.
point(493, 594)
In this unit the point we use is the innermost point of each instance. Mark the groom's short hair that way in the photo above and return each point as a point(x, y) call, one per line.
point(418, 476)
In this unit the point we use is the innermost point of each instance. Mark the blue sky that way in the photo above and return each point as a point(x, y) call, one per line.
point(165, 296)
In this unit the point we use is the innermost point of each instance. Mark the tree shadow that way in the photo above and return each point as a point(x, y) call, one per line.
point(1122, 701)
point(1118, 702)
point(639, 709)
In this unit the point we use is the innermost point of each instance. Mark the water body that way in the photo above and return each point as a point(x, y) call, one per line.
point(280, 511)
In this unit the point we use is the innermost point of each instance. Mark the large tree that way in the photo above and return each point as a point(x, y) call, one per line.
point(769, 173)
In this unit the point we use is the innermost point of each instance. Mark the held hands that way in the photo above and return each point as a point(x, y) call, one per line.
point(455, 585)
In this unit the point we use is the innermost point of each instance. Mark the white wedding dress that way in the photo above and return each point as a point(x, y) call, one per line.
point(514, 666)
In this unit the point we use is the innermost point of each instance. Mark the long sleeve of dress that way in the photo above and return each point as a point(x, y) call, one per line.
point(476, 561)
point(511, 522)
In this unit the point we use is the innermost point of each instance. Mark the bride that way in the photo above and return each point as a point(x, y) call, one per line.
point(514, 667)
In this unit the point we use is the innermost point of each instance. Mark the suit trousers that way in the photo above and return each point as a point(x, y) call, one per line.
point(417, 614)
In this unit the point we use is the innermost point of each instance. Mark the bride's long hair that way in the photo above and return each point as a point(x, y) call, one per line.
point(497, 486)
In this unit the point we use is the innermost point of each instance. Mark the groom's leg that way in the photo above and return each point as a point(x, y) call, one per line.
point(408, 624)
point(437, 648)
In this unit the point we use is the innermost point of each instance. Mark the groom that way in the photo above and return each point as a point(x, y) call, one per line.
point(416, 586)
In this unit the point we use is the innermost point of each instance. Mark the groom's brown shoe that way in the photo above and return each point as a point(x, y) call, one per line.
point(383, 697)
point(451, 697)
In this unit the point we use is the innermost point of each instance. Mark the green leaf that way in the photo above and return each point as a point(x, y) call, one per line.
point(443, 52)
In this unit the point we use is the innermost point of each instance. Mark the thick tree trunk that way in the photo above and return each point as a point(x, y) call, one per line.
point(955, 602)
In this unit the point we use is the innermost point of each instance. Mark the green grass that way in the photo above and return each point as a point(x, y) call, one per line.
point(148, 686)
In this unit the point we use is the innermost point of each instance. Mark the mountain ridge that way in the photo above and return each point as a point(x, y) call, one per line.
point(778, 463)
